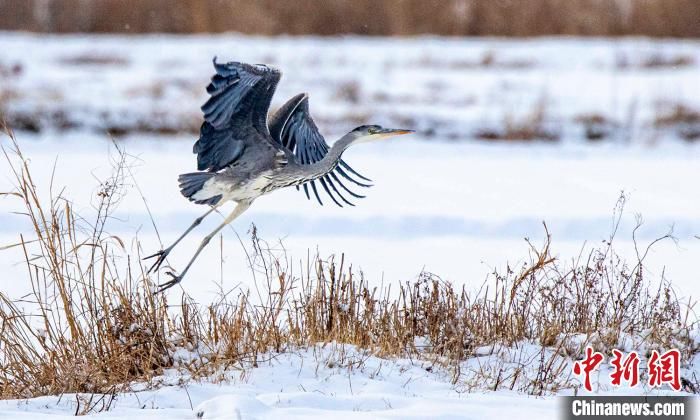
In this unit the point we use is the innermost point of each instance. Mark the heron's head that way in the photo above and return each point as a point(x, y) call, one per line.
point(367, 133)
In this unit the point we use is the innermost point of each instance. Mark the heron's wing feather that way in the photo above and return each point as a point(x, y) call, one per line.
point(235, 114)
point(216, 149)
point(240, 91)
point(280, 118)
point(293, 128)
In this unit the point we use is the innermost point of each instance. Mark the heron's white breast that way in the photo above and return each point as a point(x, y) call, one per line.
point(230, 189)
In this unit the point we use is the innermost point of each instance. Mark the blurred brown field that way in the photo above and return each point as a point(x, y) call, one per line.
point(517, 18)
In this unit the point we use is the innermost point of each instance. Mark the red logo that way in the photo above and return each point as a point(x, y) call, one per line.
point(665, 369)
point(588, 365)
point(662, 368)
point(626, 368)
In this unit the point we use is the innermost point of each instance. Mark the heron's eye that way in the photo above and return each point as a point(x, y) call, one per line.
point(372, 130)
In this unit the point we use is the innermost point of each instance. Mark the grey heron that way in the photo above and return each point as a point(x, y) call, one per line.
point(241, 154)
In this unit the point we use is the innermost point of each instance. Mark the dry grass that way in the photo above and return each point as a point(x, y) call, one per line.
point(36, 120)
point(682, 118)
point(668, 18)
point(673, 114)
point(660, 61)
point(531, 127)
point(488, 60)
point(92, 324)
point(8, 71)
point(597, 127)
point(94, 59)
point(653, 61)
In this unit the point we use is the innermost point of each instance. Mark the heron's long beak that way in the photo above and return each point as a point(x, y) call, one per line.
point(387, 132)
point(382, 134)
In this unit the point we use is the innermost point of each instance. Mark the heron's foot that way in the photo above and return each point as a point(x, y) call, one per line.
point(175, 279)
point(162, 255)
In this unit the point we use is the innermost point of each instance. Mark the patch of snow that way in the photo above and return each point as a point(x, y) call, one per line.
point(303, 384)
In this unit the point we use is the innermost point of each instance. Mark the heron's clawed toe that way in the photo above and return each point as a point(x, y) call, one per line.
point(162, 255)
point(168, 284)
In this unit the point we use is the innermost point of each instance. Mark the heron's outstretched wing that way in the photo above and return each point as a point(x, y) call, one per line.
point(235, 116)
point(294, 129)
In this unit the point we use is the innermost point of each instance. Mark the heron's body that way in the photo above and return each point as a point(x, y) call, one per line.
point(232, 187)
point(241, 154)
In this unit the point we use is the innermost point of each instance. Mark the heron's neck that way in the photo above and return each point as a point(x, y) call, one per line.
point(330, 161)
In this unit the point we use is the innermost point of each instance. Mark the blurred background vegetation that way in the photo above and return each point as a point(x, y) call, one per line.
point(656, 18)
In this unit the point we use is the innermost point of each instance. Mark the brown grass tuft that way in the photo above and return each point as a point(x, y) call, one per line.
point(94, 59)
point(530, 127)
point(597, 127)
point(680, 117)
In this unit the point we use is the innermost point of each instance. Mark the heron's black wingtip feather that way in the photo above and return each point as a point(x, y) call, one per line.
point(313, 187)
point(337, 192)
point(349, 168)
point(328, 191)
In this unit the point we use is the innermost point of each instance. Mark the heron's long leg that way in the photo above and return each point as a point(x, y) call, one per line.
point(240, 208)
point(163, 253)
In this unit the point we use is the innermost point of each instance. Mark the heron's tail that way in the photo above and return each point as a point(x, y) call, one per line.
point(192, 186)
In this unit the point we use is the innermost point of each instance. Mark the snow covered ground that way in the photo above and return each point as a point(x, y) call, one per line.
point(457, 209)
point(317, 383)
point(307, 385)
